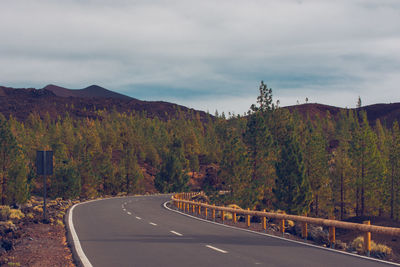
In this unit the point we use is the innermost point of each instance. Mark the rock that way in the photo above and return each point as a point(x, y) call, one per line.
point(340, 245)
point(318, 234)
point(6, 244)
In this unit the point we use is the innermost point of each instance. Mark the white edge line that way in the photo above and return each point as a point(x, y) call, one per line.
point(85, 261)
point(176, 233)
point(217, 249)
point(278, 237)
point(75, 239)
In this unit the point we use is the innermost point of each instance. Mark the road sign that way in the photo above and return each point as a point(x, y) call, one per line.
point(44, 162)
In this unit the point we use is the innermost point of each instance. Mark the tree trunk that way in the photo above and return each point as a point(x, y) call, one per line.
point(341, 196)
point(392, 195)
point(316, 205)
point(362, 190)
point(127, 184)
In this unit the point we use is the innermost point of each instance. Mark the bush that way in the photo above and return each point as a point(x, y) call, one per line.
point(16, 214)
point(4, 213)
point(377, 250)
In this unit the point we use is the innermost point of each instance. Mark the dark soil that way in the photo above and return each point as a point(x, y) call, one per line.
point(40, 245)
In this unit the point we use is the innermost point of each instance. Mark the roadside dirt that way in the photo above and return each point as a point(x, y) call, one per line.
point(27, 241)
point(40, 245)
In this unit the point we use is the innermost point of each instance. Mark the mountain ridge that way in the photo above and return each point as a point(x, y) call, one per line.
point(57, 100)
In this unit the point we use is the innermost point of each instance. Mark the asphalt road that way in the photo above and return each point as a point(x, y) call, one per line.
point(139, 231)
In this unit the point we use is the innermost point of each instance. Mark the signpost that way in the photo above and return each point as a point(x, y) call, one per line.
point(44, 166)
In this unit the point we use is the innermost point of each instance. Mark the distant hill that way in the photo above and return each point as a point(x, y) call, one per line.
point(386, 113)
point(93, 91)
point(58, 101)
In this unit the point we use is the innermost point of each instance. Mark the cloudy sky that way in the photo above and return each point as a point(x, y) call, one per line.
point(207, 54)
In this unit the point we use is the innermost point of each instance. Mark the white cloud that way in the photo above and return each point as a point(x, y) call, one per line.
point(330, 50)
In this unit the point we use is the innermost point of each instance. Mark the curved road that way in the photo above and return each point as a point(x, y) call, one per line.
point(139, 231)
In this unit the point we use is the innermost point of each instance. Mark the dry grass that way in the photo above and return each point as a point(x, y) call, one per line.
point(379, 250)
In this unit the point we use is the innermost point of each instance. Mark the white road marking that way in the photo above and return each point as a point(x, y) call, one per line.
point(153, 223)
point(278, 237)
point(138, 218)
point(176, 233)
point(124, 209)
point(216, 249)
point(79, 250)
point(122, 205)
point(129, 213)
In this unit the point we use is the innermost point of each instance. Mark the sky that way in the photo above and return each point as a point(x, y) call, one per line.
point(207, 55)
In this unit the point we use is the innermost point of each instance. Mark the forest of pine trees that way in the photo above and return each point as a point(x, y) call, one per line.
point(269, 159)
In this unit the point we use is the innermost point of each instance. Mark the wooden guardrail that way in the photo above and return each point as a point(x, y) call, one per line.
point(182, 201)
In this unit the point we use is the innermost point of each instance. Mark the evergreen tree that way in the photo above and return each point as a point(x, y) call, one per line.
point(394, 170)
point(292, 191)
point(8, 151)
point(171, 177)
point(316, 162)
point(235, 171)
point(260, 145)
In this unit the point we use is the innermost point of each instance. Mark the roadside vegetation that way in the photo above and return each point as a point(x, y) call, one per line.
point(269, 158)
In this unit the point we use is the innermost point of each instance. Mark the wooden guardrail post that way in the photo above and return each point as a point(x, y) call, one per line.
point(282, 226)
point(264, 222)
point(248, 219)
point(193, 208)
point(205, 211)
point(234, 219)
point(367, 240)
point(222, 216)
point(213, 212)
point(332, 233)
point(199, 209)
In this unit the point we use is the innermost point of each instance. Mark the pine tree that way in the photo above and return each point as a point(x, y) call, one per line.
point(292, 188)
point(316, 162)
point(394, 170)
point(260, 145)
point(8, 151)
point(171, 177)
point(235, 171)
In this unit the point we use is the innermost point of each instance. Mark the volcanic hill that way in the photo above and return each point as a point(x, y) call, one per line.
point(58, 101)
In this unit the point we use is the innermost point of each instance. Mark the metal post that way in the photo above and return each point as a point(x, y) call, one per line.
point(44, 186)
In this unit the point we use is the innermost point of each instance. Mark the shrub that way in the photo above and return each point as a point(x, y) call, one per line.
point(38, 209)
point(377, 250)
point(16, 214)
point(4, 213)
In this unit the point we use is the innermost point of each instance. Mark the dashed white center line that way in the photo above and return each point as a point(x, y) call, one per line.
point(138, 218)
point(217, 249)
point(153, 223)
point(176, 233)
point(124, 209)
point(129, 213)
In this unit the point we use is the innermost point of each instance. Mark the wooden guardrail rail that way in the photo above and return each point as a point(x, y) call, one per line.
point(182, 201)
